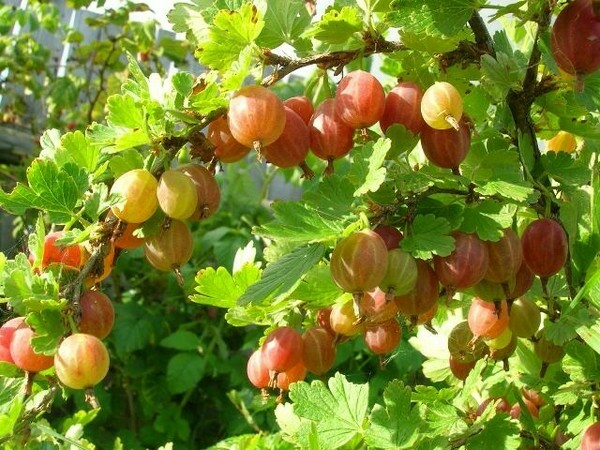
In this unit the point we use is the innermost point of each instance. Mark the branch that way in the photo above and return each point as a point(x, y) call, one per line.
point(471, 52)
point(101, 76)
point(285, 65)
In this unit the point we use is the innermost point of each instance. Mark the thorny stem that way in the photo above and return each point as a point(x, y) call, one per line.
point(285, 65)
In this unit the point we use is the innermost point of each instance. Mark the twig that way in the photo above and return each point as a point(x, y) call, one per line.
point(285, 65)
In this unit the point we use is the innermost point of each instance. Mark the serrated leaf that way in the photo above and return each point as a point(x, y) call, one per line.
point(134, 327)
point(443, 418)
point(317, 289)
point(375, 173)
point(283, 275)
point(565, 169)
point(300, 223)
point(397, 423)
point(181, 340)
point(519, 192)
point(580, 362)
point(229, 34)
point(498, 432)
point(188, 18)
point(137, 84)
point(487, 219)
point(429, 235)
point(220, 288)
point(183, 83)
point(123, 112)
point(502, 71)
point(337, 26)
point(284, 23)
point(339, 412)
point(432, 17)
point(124, 162)
point(332, 197)
point(49, 330)
point(50, 188)
point(184, 371)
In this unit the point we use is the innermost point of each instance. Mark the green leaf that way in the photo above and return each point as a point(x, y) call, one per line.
point(134, 327)
point(339, 412)
point(487, 219)
point(397, 423)
point(503, 72)
point(50, 188)
point(337, 26)
point(300, 223)
point(317, 289)
point(432, 17)
point(184, 371)
point(125, 161)
point(183, 83)
point(374, 159)
point(283, 275)
point(221, 289)
point(123, 112)
point(498, 432)
point(580, 362)
point(11, 403)
point(429, 236)
point(565, 169)
point(284, 23)
point(182, 340)
point(332, 197)
point(229, 34)
point(49, 330)
point(137, 84)
point(519, 192)
point(188, 18)
point(443, 418)
point(80, 151)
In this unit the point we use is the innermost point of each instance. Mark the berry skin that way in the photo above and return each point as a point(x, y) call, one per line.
point(403, 106)
point(81, 361)
point(442, 106)
point(6, 333)
point(137, 192)
point(544, 247)
point(359, 100)
point(22, 353)
point(282, 349)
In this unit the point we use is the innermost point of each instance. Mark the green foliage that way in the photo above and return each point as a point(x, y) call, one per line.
point(181, 340)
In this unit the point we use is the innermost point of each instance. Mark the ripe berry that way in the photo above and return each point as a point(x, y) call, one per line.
point(343, 320)
point(291, 148)
point(590, 440)
point(296, 373)
point(6, 333)
point(318, 350)
point(575, 38)
point(382, 338)
point(466, 265)
point(69, 255)
point(22, 353)
point(401, 275)
point(376, 308)
point(505, 257)
point(359, 100)
point(462, 346)
point(170, 248)
point(359, 262)
point(207, 190)
point(442, 106)
point(563, 141)
point(282, 349)
point(403, 106)
point(544, 247)
point(460, 369)
point(227, 149)
point(390, 235)
point(486, 319)
point(81, 361)
point(446, 148)
point(97, 314)
point(257, 372)
point(256, 116)
point(136, 190)
point(126, 240)
point(302, 106)
point(330, 138)
point(423, 296)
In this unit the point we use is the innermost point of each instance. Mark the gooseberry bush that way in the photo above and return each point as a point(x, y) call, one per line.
point(439, 240)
